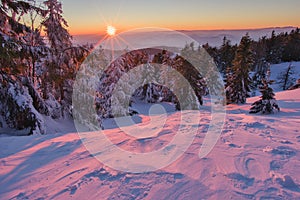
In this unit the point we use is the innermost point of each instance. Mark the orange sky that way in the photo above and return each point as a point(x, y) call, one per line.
point(90, 17)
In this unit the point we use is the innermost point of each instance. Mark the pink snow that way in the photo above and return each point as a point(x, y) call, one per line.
point(257, 156)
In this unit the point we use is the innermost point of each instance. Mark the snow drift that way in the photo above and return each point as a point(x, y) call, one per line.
point(257, 157)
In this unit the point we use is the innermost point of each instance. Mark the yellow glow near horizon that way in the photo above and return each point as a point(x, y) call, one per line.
point(92, 17)
point(110, 30)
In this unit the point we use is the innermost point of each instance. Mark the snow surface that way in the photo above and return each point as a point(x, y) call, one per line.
point(257, 157)
point(276, 69)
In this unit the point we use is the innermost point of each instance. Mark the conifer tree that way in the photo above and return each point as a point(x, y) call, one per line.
point(21, 104)
point(60, 41)
point(267, 103)
point(11, 36)
point(63, 59)
point(238, 86)
point(275, 46)
point(56, 26)
point(261, 66)
point(291, 50)
point(227, 53)
point(35, 45)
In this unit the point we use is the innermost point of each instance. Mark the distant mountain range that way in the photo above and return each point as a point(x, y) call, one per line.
point(212, 37)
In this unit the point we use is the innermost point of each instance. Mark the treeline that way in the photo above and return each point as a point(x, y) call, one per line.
point(246, 66)
point(283, 47)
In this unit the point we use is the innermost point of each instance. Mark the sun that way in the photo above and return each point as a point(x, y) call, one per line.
point(110, 30)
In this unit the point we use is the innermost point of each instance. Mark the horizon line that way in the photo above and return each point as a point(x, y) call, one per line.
point(229, 29)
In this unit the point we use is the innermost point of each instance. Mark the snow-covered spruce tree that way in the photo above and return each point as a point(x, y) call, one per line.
point(170, 80)
point(260, 74)
point(35, 45)
point(227, 53)
point(195, 70)
point(261, 66)
point(267, 103)
point(12, 53)
point(63, 58)
point(109, 79)
point(285, 78)
point(21, 104)
point(148, 90)
point(151, 93)
point(151, 90)
point(56, 26)
point(17, 108)
point(23, 43)
point(59, 39)
point(238, 87)
point(228, 63)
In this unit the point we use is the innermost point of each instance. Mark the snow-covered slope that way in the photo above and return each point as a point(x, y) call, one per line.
point(257, 157)
point(276, 69)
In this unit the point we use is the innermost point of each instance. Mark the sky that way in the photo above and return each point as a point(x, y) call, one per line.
point(92, 16)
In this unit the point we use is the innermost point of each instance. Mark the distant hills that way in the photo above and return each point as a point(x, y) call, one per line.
point(213, 37)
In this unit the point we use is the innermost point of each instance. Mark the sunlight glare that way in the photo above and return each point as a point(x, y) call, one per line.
point(110, 30)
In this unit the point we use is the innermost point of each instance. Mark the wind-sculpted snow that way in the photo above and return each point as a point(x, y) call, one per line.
point(257, 157)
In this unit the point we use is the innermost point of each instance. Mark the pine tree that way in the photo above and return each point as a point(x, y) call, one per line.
point(35, 45)
point(21, 104)
point(213, 52)
point(267, 103)
point(291, 50)
point(227, 53)
point(12, 42)
point(260, 63)
point(108, 105)
point(11, 12)
point(63, 58)
point(238, 85)
point(60, 41)
point(227, 56)
point(56, 27)
point(196, 66)
point(275, 48)
point(260, 74)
